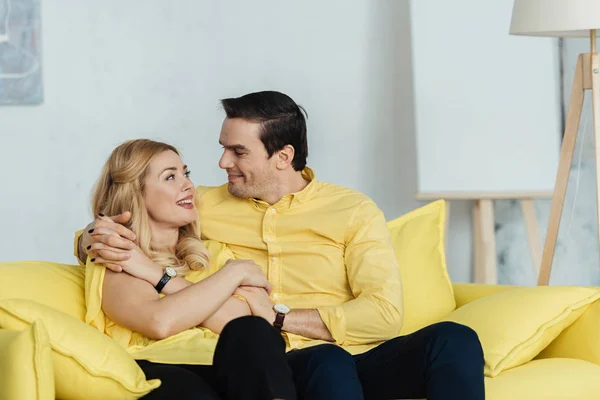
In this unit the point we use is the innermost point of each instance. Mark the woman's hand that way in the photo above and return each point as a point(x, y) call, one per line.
point(248, 273)
point(259, 301)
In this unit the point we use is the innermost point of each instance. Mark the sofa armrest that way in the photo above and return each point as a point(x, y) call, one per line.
point(467, 292)
point(580, 340)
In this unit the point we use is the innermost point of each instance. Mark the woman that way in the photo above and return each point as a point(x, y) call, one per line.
point(149, 179)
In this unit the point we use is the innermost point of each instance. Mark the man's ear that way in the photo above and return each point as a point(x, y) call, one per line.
point(285, 156)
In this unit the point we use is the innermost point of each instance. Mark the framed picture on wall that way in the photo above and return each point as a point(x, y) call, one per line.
point(20, 52)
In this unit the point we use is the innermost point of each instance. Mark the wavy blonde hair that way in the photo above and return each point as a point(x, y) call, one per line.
point(120, 188)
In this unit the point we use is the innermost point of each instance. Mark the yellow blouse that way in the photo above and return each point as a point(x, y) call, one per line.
point(192, 346)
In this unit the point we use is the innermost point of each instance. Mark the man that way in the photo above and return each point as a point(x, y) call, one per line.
point(327, 253)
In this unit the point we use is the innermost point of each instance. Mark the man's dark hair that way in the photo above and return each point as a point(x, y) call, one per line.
point(282, 121)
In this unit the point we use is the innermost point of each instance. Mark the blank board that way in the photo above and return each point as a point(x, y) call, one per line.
point(487, 104)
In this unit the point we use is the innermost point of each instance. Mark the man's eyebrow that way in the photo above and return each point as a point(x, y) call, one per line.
point(234, 146)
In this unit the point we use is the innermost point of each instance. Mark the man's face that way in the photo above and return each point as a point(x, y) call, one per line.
point(250, 171)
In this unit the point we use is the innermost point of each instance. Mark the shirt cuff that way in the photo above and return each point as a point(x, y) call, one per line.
point(335, 320)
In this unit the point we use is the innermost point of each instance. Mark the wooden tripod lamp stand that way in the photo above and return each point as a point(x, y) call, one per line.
point(566, 18)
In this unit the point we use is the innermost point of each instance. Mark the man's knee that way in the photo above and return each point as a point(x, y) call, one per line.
point(326, 372)
point(330, 357)
point(460, 339)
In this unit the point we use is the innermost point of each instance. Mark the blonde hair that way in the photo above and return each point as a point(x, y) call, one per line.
point(120, 188)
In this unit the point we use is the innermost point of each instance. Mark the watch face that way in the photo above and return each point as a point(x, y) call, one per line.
point(281, 308)
point(171, 272)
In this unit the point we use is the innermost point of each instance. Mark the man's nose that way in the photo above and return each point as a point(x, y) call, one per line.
point(225, 161)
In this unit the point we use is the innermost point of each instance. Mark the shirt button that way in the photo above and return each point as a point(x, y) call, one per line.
point(274, 259)
point(297, 345)
point(293, 204)
point(275, 296)
point(273, 211)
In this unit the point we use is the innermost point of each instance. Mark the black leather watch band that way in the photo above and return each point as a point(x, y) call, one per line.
point(163, 281)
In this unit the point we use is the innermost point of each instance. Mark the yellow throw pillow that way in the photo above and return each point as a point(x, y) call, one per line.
point(580, 340)
point(59, 286)
point(26, 371)
point(516, 325)
point(88, 364)
point(418, 239)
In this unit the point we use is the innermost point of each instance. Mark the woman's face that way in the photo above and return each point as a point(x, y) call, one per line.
point(169, 192)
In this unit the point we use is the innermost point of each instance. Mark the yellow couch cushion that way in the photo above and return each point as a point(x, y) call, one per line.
point(418, 239)
point(554, 379)
point(465, 293)
point(26, 371)
point(580, 340)
point(58, 286)
point(88, 364)
point(516, 325)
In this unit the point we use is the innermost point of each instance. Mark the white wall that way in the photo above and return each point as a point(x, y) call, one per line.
point(116, 70)
point(487, 103)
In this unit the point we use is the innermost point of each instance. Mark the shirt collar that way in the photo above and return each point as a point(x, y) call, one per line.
point(308, 192)
point(293, 199)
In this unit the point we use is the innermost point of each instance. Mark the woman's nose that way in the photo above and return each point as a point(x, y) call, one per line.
point(188, 185)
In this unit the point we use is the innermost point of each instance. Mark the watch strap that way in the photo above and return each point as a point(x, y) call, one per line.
point(279, 317)
point(163, 281)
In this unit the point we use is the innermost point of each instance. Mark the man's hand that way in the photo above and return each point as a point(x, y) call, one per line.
point(108, 240)
point(259, 301)
point(138, 264)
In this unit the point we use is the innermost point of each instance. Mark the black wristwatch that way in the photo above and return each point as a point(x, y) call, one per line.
point(169, 273)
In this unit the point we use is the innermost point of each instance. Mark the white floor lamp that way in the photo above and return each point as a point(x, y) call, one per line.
point(566, 18)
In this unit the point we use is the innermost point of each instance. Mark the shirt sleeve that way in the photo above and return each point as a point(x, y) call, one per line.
point(375, 314)
point(76, 247)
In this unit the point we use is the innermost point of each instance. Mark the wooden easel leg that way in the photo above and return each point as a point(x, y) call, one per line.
point(562, 176)
point(478, 273)
point(533, 234)
point(484, 242)
point(596, 112)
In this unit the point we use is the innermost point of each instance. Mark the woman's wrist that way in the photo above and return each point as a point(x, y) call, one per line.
point(151, 273)
point(233, 275)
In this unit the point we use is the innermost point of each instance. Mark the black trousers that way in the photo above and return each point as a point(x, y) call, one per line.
point(442, 361)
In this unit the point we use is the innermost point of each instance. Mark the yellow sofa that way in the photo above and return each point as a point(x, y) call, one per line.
point(100, 370)
point(538, 342)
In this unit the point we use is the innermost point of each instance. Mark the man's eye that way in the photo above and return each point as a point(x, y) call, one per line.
point(239, 154)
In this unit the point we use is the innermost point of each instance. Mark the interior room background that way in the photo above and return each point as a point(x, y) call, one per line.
point(117, 70)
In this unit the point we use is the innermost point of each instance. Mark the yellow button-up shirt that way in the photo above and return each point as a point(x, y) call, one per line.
point(326, 247)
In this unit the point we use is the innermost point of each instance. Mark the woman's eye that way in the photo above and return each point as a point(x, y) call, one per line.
point(170, 177)
point(188, 173)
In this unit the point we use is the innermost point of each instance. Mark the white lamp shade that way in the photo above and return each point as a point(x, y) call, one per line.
point(555, 18)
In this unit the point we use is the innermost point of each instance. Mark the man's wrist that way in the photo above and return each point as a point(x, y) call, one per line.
point(279, 315)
